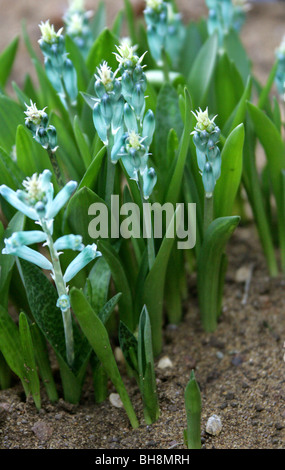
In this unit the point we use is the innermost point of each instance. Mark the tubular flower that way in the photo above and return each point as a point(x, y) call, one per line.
point(205, 137)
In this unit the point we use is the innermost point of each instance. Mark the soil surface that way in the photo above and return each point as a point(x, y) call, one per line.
point(240, 368)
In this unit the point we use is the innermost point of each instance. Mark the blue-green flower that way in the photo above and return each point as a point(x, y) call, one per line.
point(36, 200)
point(280, 72)
point(16, 245)
point(89, 253)
point(206, 137)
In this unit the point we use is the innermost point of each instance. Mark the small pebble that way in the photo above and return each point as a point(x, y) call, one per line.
point(164, 363)
point(115, 400)
point(214, 425)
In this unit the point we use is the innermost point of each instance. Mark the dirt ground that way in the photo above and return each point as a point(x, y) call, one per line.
point(240, 368)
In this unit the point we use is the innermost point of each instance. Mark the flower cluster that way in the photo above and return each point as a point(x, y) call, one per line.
point(58, 66)
point(226, 14)
point(165, 30)
point(36, 200)
point(120, 108)
point(280, 73)
point(133, 78)
point(109, 104)
point(76, 21)
point(206, 136)
point(37, 122)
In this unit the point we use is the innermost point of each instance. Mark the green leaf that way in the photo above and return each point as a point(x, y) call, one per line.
point(11, 175)
point(129, 346)
point(146, 369)
point(29, 359)
point(239, 113)
point(11, 348)
point(154, 284)
point(193, 406)
point(97, 336)
point(99, 278)
point(7, 261)
point(237, 54)
point(42, 297)
point(229, 181)
point(202, 72)
point(189, 54)
point(131, 20)
point(99, 20)
point(77, 219)
point(209, 267)
point(43, 362)
point(274, 148)
point(175, 184)
point(228, 88)
point(7, 58)
point(11, 115)
point(82, 143)
point(167, 117)
point(91, 174)
point(121, 282)
point(102, 49)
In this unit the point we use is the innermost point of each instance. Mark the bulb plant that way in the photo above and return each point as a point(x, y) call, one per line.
point(152, 122)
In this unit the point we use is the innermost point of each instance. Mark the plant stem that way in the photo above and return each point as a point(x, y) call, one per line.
point(111, 171)
point(61, 290)
point(150, 240)
point(165, 66)
point(208, 211)
point(55, 166)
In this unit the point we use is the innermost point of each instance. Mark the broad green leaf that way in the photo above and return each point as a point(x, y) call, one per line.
point(98, 338)
point(202, 71)
point(76, 214)
point(228, 88)
point(29, 359)
point(167, 117)
point(237, 54)
point(231, 171)
point(82, 143)
point(274, 148)
point(11, 348)
point(102, 50)
point(147, 379)
point(209, 267)
point(11, 175)
point(175, 184)
point(42, 297)
point(188, 54)
point(7, 261)
point(91, 174)
point(130, 15)
point(193, 406)
point(99, 20)
point(99, 278)
point(239, 113)
point(11, 115)
point(121, 282)
point(7, 58)
point(154, 284)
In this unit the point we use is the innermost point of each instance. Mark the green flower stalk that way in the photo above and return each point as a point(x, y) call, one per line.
point(36, 200)
point(37, 121)
point(58, 66)
point(206, 136)
point(76, 20)
point(280, 72)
